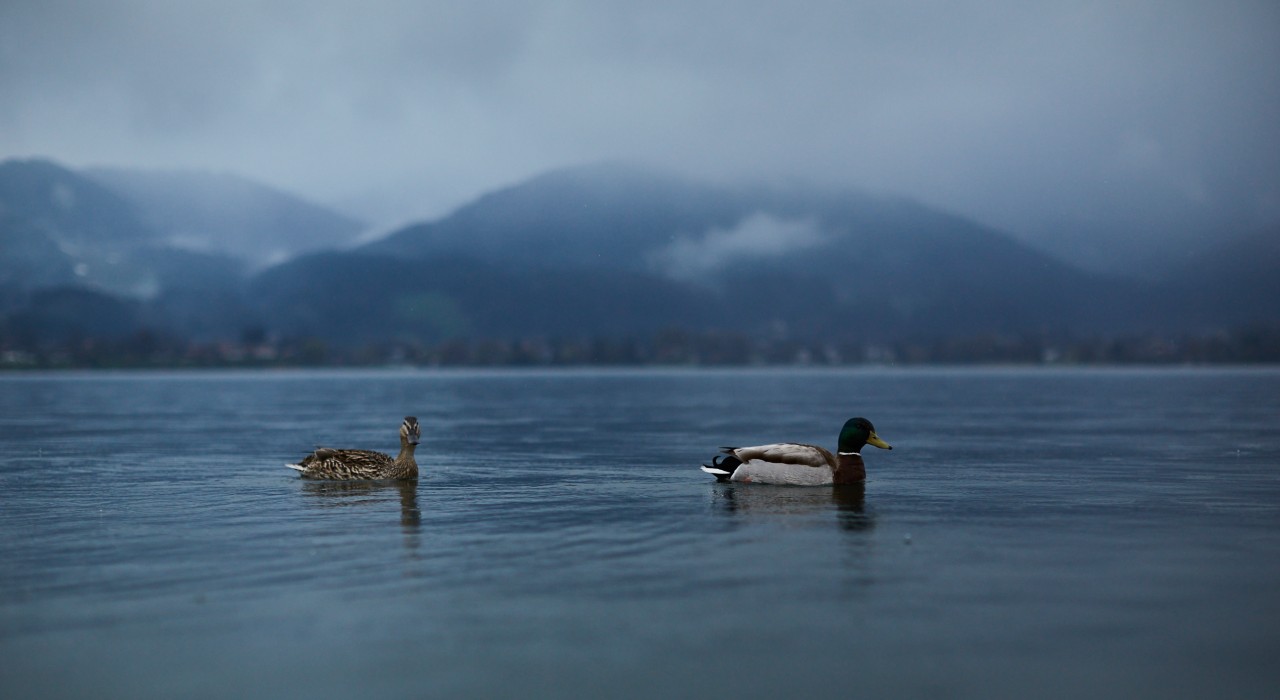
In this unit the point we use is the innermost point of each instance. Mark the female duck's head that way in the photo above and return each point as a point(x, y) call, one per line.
point(858, 432)
point(410, 433)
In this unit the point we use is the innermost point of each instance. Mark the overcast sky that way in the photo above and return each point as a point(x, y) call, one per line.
point(1085, 115)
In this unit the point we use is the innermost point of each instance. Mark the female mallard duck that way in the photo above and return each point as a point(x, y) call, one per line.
point(352, 465)
point(800, 465)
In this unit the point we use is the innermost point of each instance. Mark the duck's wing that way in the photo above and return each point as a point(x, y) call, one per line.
point(327, 463)
point(785, 453)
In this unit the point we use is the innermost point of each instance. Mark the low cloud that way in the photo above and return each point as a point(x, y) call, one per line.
point(1119, 120)
point(757, 236)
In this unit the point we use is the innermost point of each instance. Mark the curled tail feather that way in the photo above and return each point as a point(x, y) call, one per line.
point(722, 467)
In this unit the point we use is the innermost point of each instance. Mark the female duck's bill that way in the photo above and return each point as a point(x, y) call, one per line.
point(360, 465)
point(790, 463)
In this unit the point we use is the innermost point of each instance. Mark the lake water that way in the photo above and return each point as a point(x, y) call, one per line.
point(1034, 533)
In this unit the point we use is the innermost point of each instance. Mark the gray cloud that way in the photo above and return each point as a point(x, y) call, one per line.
point(1090, 117)
point(760, 235)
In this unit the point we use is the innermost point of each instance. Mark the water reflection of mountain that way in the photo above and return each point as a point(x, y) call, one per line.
point(848, 502)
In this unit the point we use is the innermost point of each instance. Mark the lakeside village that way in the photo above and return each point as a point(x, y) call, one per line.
point(147, 349)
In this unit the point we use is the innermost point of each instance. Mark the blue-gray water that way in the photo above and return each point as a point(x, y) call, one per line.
point(1079, 533)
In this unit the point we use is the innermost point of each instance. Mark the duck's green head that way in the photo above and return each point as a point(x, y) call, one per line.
point(858, 432)
point(410, 433)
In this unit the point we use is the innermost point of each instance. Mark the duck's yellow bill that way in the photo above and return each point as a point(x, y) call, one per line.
point(875, 441)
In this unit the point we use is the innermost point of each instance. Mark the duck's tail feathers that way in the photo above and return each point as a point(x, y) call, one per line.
point(296, 466)
point(721, 467)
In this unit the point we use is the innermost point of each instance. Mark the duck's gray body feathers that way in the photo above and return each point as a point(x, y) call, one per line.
point(785, 463)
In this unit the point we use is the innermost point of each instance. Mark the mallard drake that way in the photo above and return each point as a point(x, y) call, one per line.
point(800, 465)
point(354, 465)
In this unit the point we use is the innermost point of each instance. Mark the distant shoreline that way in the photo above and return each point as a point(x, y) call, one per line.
point(1253, 345)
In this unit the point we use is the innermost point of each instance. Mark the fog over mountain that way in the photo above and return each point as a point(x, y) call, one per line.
point(611, 252)
point(109, 253)
point(614, 248)
point(135, 233)
point(1118, 136)
point(222, 213)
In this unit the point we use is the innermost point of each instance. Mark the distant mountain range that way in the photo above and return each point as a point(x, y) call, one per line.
point(107, 251)
point(619, 248)
point(228, 215)
point(135, 233)
point(601, 251)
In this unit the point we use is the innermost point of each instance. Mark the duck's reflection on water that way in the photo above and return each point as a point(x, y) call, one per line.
point(350, 493)
point(849, 502)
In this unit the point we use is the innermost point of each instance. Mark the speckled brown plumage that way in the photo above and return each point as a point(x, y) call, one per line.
point(356, 465)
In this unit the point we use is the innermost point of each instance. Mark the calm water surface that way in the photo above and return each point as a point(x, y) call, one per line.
point(1102, 533)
